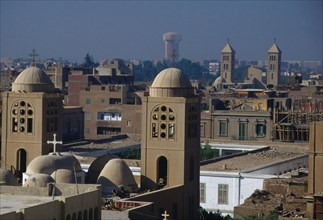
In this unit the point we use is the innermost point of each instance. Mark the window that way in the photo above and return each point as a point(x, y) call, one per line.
point(88, 101)
point(22, 117)
point(223, 194)
point(128, 123)
point(223, 130)
point(52, 117)
point(87, 115)
point(202, 130)
point(243, 131)
point(102, 101)
point(109, 116)
point(163, 123)
point(260, 130)
point(202, 193)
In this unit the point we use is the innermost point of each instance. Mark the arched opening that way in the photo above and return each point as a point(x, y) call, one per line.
point(91, 214)
point(21, 162)
point(79, 216)
point(68, 217)
point(85, 215)
point(96, 213)
point(74, 216)
point(162, 171)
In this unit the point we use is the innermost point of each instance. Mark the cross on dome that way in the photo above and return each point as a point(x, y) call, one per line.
point(54, 142)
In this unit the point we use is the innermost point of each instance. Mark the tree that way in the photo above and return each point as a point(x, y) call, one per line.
point(88, 61)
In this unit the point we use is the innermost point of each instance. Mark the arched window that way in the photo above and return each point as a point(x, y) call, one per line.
point(192, 125)
point(74, 216)
point(68, 217)
point(52, 117)
point(22, 114)
point(79, 216)
point(162, 171)
point(21, 160)
point(163, 123)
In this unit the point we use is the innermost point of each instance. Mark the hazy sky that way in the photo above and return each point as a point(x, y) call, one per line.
point(134, 29)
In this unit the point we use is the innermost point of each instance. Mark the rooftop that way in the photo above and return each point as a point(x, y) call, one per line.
point(253, 160)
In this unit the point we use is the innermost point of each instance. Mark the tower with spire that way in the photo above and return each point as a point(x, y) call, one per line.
point(227, 62)
point(273, 65)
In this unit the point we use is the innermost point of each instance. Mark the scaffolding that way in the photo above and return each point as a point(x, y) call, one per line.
point(294, 126)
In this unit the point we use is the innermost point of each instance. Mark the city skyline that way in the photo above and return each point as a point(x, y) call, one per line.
point(133, 30)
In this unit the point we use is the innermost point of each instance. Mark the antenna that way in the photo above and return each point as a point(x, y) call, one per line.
point(33, 56)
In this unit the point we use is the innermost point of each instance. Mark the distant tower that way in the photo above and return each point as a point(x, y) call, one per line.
point(172, 46)
point(227, 62)
point(273, 66)
point(170, 146)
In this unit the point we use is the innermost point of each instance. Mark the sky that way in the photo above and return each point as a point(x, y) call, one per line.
point(133, 29)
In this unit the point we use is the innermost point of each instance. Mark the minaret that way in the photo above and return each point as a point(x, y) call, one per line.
point(170, 145)
point(273, 66)
point(227, 62)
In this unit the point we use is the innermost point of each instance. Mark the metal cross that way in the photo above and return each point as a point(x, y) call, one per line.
point(54, 142)
point(165, 215)
point(33, 56)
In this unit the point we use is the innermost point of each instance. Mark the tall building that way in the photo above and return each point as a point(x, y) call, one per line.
point(172, 46)
point(32, 113)
point(171, 139)
point(227, 63)
point(273, 66)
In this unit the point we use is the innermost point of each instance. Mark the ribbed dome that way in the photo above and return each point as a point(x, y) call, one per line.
point(116, 173)
point(171, 82)
point(33, 79)
point(49, 163)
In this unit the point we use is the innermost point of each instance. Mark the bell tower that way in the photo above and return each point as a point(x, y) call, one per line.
point(31, 114)
point(227, 62)
point(170, 147)
point(273, 65)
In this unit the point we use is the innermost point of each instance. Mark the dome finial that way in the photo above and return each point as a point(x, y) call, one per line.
point(33, 55)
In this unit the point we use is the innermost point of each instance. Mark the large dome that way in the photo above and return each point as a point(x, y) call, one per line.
point(33, 79)
point(171, 82)
point(47, 164)
point(116, 173)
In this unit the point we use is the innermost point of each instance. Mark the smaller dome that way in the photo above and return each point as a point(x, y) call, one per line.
point(114, 174)
point(33, 79)
point(38, 180)
point(49, 163)
point(63, 176)
point(7, 178)
point(171, 82)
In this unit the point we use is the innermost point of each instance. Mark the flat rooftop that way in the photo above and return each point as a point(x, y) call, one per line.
point(253, 160)
point(13, 203)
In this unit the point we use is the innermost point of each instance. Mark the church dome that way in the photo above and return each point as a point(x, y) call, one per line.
point(171, 82)
point(47, 164)
point(63, 176)
point(38, 180)
point(114, 174)
point(7, 178)
point(33, 79)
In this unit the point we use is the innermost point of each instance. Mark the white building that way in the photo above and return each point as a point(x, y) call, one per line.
point(230, 180)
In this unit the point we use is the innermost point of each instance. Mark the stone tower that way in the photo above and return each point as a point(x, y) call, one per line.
point(170, 138)
point(273, 66)
point(31, 114)
point(315, 174)
point(227, 63)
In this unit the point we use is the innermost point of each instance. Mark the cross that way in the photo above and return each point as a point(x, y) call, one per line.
point(165, 215)
point(275, 40)
point(33, 55)
point(228, 40)
point(54, 142)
